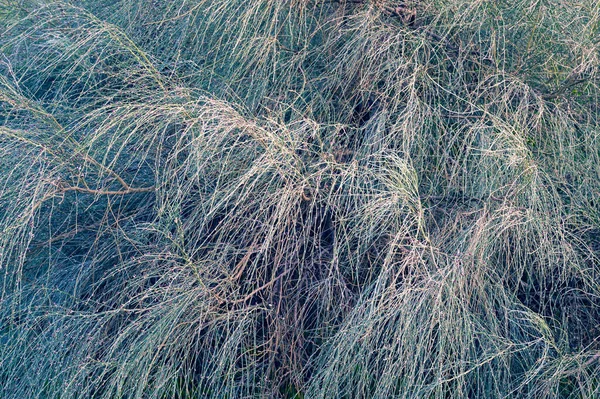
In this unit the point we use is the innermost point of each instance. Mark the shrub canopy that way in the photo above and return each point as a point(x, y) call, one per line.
point(299, 198)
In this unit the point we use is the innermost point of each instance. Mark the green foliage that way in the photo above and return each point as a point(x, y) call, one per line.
point(299, 199)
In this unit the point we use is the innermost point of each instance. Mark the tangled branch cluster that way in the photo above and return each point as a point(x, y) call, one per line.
point(299, 198)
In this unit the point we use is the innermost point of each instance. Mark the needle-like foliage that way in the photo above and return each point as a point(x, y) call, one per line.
point(299, 199)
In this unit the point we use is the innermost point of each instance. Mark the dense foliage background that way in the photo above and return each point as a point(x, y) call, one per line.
point(299, 199)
